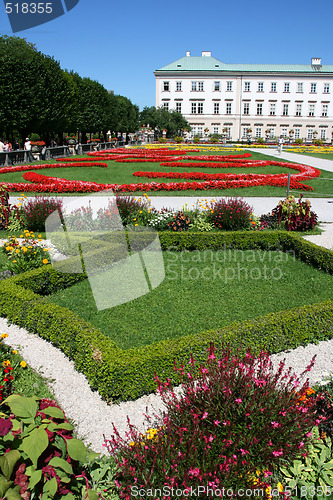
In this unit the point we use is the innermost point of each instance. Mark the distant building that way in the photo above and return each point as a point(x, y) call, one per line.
point(241, 100)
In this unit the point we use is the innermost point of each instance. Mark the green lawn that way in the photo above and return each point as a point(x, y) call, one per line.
point(121, 173)
point(202, 291)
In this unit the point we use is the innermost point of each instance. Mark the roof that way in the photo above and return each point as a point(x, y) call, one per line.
point(209, 63)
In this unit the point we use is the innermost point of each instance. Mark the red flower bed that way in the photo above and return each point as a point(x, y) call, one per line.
point(42, 183)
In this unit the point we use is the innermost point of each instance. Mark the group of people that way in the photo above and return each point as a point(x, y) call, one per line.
point(7, 146)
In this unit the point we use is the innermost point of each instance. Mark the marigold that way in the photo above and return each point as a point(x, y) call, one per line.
point(23, 364)
point(45, 261)
point(4, 335)
point(14, 351)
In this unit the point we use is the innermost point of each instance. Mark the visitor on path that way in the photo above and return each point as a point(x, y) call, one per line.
point(16, 145)
point(2, 146)
point(27, 144)
point(281, 142)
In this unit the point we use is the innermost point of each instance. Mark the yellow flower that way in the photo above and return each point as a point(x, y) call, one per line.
point(17, 250)
point(44, 249)
point(24, 249)
point(8, 249)
point(280, 487)
point(23, 364)
point(14, 261)
point(6, 363)
point(4, 335)
point(45, 261)
point(14, 351)
point(39, 236)
point(21, 235)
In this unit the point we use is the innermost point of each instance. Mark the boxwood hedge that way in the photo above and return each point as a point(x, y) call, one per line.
point(121, 375)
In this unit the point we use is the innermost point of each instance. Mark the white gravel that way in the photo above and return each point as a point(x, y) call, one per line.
point(92, 416)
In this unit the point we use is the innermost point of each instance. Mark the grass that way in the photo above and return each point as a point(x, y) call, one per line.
point(202, 291)
point(121, 173)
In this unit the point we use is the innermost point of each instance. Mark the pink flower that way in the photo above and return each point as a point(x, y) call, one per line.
point(217, 422)
point(275, 424)
point(238, 400)
point(205, 415)
point(277, 453)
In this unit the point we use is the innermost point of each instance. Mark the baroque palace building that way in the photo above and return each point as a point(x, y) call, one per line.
point(242, 100)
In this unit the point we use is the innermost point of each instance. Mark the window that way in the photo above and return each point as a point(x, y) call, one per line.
point(297, 133)
point(178, 107)
point(197, 86)
point(229, 86)
point(260, 86)
point(259, 109)
point(300, 87)
point(311, 110)
point(200, 108)
point(228, 108)
point(247, 86)
point(200, 131)
point(298, 109)
point(270, 132)
point(284, 132)
point(313, 88)
point(273, 87)
point(258, 132)
point(215, 130)
point(246, 110)
point(228, 132)
point(310, 133)
point(272, 108)
point(166, 106)
point(244, 132)
point(166, 86)
point(285, 109)
point(216, 108)
point(326, 88)
point(194, 108)
point(287, 87)
point(323, 134)
point(216, 86)
point(324, 110)
point(178, 86)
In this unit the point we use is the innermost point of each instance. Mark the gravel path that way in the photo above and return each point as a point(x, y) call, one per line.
point(92, 416)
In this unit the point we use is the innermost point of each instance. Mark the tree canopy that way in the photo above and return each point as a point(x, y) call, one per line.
point(162, 119)
point(36, 95)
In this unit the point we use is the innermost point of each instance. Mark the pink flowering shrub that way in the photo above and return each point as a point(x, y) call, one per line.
point(231, 214)
point(232, 417)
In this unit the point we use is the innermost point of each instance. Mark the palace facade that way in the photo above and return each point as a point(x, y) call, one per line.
point(242, 100)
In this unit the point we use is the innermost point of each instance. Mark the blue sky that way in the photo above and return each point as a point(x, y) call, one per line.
point(120, 44)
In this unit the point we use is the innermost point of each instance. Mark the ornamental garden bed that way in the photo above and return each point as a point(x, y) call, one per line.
point(123, 369)
point(168, 173)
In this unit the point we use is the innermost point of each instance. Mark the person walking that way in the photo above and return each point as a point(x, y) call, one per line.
point(280, 142)
point(2, 146)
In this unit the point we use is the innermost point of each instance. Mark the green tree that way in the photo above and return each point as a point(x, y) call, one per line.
point(124, 115)
point(160, 118)
point(35, 93)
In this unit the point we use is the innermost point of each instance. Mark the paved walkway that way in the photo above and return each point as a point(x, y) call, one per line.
point(306, 160)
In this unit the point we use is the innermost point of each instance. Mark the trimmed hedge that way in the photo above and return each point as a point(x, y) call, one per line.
point(128, 374)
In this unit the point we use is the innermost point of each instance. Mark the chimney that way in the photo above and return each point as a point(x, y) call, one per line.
point(206, 53)
point(188, 53)
point(316, 61)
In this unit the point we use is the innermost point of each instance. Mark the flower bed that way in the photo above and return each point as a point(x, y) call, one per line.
point(200, 181)
point(114, 371)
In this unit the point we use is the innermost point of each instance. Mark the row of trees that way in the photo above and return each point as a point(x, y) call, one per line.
point(37, 96)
